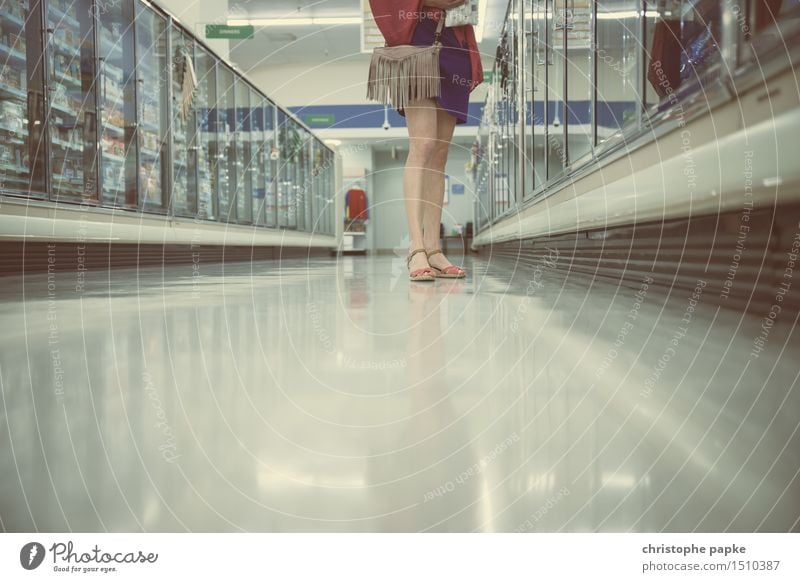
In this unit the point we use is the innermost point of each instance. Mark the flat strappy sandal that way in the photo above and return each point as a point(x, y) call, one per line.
point(423, 274)
point(451, 272)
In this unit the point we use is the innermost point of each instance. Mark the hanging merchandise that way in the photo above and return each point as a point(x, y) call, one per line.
point(356, 204)
point(462, 15)
point(502, 58)
point(188, 85)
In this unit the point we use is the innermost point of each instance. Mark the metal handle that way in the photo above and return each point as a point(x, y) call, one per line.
point(101, 75)
point(50, 43)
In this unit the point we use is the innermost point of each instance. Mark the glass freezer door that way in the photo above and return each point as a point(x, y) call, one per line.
point(223, 143)
point(242, 162)
point(288, 142)
point(117, 104)
point(271, 162)
point(316, 188)
point(72, 126)
point(185, 138)
point(152, 80)
point(204, 105)
point(22, 161)
point(259, 158)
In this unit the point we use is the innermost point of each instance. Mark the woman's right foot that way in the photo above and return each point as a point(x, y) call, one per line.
point(444, 268)
point(418, 267)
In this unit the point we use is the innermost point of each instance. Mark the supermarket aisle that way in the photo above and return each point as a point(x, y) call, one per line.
point(335, 396)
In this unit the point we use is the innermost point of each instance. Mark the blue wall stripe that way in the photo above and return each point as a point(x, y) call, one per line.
point(359, 116)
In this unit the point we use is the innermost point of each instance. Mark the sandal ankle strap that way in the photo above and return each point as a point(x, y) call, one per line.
point(411, 255)
point(434, 252)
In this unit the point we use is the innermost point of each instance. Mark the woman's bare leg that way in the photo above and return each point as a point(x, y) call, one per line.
point(434, 186)
point(421, 119)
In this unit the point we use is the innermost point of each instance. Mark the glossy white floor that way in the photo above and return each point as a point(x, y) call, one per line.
point(333, 395)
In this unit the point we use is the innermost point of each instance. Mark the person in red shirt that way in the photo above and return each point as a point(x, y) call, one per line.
point(431, 122)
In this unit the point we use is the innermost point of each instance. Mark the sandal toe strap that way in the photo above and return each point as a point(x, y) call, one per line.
point(422, 271)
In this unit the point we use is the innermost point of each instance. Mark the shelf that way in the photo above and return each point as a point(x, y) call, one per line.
point(113, 157)
point(66, 50)
point(149, 153)
point(149, 127)
point(114, 130)
point(15, 169)
point(68, 81)
point(13, 55)
point(13, 20)
point(12, 92)
point(68, 181)
point(111, 47)
point(76, 147)
point(68, 112)
point(63, 18)
point(14, 131)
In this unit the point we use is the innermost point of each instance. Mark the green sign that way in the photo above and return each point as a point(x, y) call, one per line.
point(230, 32)
point(488, 76)
point(321, 119)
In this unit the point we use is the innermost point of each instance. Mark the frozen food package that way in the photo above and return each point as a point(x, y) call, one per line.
point(467, 13)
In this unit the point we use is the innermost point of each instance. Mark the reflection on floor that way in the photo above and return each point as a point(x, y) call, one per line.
point(333, 395)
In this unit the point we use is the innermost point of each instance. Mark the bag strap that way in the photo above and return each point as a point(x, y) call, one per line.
point(437, 35)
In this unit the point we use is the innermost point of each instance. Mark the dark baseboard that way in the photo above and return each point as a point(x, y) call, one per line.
point(18, 257)
point(743, 258)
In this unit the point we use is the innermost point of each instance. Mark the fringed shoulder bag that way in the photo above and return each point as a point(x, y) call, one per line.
point(404, 73)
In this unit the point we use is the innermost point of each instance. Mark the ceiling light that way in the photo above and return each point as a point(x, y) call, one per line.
point(618, 15)
point(316, 21)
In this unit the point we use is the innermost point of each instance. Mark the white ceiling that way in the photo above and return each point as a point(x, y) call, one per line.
point(287, 45)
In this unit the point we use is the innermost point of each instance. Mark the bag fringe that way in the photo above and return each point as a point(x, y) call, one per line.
point(400, 79)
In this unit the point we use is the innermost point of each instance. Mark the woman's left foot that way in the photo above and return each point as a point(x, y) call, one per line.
point(444, 269)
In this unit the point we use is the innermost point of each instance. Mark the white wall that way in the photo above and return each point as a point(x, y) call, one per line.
point(195, 14)
point(387, 204)
point(357, 155)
